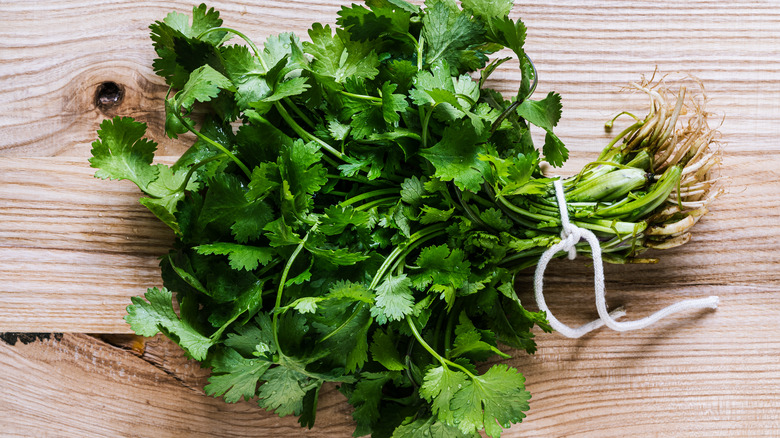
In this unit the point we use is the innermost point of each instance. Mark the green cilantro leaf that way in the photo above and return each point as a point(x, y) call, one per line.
point(182, 47)
point(233, 376)
point(432, 215)
point(254, 337)
point(383, 350)
point(365, 397)
point(446, 271)
point(265, 178)
point(495, 219)
point(203, 85)
point(283, 391)
point(555, 151)
point(392, 104)
point(488, 8)
point(362, 23)
point(482, 401)
point(121, 152)
point(336, 219)
point(240, 256)
point(543, 113)
point(456, 157)
point(203, 19)
point(412, 191)
point(429, 428)
point(149, 317)
point(469, 341)
point(451, 35)
point(338, 57)
point(337, 256)
point(246, 73)
point(394, 299)
point(227, 203)
point(281, 234)
point(439, 387)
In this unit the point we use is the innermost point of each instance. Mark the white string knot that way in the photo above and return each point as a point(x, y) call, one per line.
point(571, 235)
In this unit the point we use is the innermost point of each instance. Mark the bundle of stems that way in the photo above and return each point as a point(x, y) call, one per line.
point(646, 189)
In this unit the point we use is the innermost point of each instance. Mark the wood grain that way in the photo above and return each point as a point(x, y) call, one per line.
point(74, 249)
point(80, 386)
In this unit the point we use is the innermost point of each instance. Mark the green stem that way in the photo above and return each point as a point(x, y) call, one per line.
point(420, 45)
point(212, 142)
point(448, 333)
point(604, 154)
point(282, 111)
point(425, 126)
point(367, 195)
point(298, 112)
point(344, 324)
point(390, 260)
point(437, 356)
point(504, 114)
point(221, 330)
point(305, 134)
point(609, 123)
point(524, 212)
point(378, 100)
point(372, 204)
point(353, 179)
point(192, 170)
point(280, 290)
point(241, 35)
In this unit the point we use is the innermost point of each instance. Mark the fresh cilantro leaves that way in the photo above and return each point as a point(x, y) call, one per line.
point(350, 212)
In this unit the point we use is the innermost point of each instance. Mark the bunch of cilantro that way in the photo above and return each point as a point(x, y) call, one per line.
point(337, 218)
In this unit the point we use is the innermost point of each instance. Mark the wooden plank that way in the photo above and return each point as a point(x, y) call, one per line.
point(74, 249)
point(79, 386)
point(99, 247)
point(662, 381)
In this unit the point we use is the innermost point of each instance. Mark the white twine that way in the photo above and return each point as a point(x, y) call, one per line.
point(570, 236)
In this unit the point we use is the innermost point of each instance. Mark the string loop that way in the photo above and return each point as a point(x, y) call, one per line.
point(571, 235)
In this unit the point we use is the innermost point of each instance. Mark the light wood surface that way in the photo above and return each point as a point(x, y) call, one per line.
point(74, 249)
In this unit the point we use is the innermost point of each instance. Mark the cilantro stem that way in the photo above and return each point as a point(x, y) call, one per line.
point(298, 112)
point(367, 195)
point(211, 142)
point(437, 356)
point(378, 100)
point(282, 111)
point(217, 334)
point(420, 45)
point(221, 148)
point(305, 134)
point(448, 333)
point(604, 154)
point(422, 342)
point(369, 205)
point(609, 123)
point(469, 212)
point(425, 233)
point(239, 34)
point(280, 290)
point(424, 128)
point(358, 307)
point(504, 114)
point(357, 180)
point(192, 169)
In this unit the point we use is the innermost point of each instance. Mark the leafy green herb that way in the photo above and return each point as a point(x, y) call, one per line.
point(356, 206)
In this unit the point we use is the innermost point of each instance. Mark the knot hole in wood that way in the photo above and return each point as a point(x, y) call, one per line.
point(108, 95)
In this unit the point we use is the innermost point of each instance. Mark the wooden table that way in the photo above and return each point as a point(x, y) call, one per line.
point(74, 249)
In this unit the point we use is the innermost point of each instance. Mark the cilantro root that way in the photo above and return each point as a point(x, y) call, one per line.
point(356, 207)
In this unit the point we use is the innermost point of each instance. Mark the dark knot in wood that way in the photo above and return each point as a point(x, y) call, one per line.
point(108, 95)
